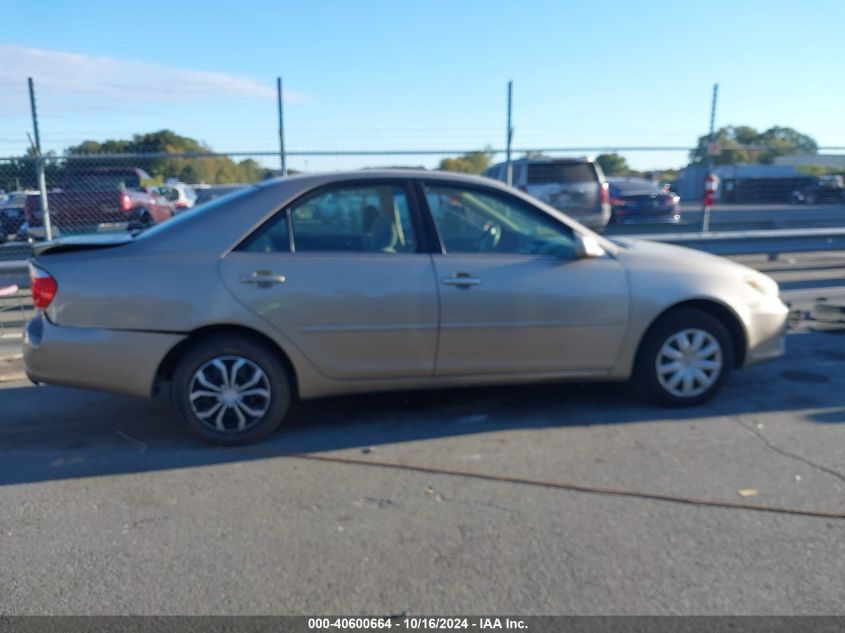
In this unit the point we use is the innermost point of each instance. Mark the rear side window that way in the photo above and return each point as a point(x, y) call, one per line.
point(547, 173)
point(273, 237)
point(354, 218)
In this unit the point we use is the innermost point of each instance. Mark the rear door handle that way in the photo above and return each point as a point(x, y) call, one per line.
point(263, 279)
point(461, 280)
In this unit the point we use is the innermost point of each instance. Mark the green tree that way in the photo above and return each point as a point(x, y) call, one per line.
point(613, 164)
point(781, 141)
point(205, 169)
point(471, 163)
point(744, 144)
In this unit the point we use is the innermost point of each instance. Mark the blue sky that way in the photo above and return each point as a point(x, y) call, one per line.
point(402, 74)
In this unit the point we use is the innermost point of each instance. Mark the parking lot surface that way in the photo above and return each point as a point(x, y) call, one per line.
point(108, 508)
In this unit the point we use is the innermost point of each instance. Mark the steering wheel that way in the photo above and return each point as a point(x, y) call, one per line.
point(492, 235)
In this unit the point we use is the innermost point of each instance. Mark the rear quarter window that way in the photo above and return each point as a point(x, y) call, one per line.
point(547, 173)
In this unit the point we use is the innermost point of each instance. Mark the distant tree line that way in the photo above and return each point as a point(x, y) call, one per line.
point(20, 172)
point(737, 144)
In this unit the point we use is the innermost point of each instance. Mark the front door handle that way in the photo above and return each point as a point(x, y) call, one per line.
point(461, 280)
point(263, 279)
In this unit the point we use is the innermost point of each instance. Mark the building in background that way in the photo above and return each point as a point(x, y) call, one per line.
point(743, 183)
point(834, 161)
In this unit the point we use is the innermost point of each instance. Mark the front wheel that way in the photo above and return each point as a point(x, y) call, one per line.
point(231, 390)
point(684, 359)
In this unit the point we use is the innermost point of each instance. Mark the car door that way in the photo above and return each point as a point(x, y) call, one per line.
point(341, 273)
point(514, 297)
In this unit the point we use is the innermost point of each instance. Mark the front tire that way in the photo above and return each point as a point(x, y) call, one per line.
point(231, 390)
point(685, 359)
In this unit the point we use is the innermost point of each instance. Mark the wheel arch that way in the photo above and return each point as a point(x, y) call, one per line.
point(714, 308)
point(171, 359)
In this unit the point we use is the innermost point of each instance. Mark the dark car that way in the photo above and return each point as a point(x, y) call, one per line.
point(207, 194)
point(637, 200)
point(12, 213)
point(825, 189)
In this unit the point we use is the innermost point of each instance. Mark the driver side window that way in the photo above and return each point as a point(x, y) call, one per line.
point(471, 220)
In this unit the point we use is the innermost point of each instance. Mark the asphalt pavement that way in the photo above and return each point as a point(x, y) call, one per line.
point(107, 507)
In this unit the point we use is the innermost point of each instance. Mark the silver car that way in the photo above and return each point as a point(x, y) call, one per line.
point(574, 186)
point(320, 285)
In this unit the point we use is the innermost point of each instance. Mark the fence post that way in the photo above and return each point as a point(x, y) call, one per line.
point(509, 168)
point(706, 208)
point(39, 166)
point(282, 154)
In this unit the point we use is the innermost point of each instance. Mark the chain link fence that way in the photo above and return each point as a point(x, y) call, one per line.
point(95, 193)
point(103, 193)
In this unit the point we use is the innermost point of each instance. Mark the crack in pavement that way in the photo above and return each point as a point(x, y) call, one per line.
point(786, 453)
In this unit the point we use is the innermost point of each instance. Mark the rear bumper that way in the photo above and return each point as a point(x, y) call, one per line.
point(108, 360)
point(648, 219)
point(597, 220)
point(766, 325)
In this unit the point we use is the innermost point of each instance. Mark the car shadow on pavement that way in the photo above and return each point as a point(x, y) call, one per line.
point(52, 433)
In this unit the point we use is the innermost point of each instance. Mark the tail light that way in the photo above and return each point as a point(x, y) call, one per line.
point(604, 193)
point(125, 202)
point(43, 287)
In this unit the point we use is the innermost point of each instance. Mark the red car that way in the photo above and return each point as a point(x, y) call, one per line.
point(99, 198)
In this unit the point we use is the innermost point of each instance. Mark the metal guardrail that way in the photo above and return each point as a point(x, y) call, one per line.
point(769, 242)
point(14, 272)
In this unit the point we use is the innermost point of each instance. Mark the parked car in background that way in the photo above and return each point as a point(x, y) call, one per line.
point(212, 192)
point(825, 189)
point(12, 213)
point(100, 198)
point(320, 285)
point(575, 186)
point(636, 200)
point(178, 194)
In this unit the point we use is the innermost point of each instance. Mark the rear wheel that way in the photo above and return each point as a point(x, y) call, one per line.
point(684, 359)
point(140, 220)
point(231, 390)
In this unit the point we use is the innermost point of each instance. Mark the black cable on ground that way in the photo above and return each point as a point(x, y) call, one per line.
point(571, 487)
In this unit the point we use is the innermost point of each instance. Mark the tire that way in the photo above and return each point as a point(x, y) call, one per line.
point(140, 220)
point(199, 371)
point(660, 346)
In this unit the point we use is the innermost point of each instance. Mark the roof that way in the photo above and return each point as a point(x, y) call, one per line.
point(367, 174)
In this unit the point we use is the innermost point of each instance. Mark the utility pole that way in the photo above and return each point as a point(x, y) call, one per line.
point(282, 156)
point(509, 168)
point(710, 179)
point(39, 165)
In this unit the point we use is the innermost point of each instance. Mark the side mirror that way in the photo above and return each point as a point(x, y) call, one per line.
point(587, 246)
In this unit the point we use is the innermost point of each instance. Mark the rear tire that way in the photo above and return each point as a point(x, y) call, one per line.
point(140, 220)
point(231, 390)
point(684, 359)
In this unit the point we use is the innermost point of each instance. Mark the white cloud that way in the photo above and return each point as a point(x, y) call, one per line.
point(75, 80)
